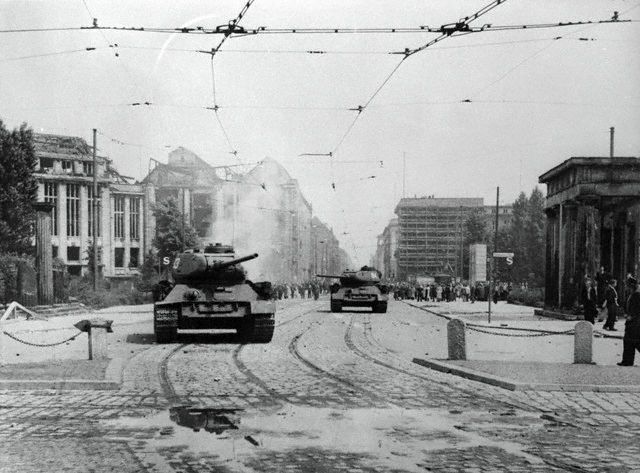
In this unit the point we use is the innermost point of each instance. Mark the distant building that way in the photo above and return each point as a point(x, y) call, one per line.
point(593, 222)
point(325, 250)
point(431, 233)
point(385, 259)
point(505, 216)
point(65, 178)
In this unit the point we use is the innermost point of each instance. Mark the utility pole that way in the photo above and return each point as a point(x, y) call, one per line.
point(612, 131)
point(94, 213)
point(493, 259)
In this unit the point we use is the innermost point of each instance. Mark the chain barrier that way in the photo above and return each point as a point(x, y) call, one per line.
point(539, 334)
point(10, 335)
point(483, 328)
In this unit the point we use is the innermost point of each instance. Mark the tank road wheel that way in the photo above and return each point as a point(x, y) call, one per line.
point(379, 307)
point(166, 335)
point(336, 306)
point(257, 330)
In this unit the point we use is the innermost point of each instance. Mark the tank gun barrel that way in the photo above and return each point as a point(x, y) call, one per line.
point(226, 264)
point(332, 276)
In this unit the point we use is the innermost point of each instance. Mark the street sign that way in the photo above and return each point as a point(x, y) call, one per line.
point(508, 256)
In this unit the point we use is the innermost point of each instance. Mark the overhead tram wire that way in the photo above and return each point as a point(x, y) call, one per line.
point(236, 31)
point(290, 51)
point(231, 27)
point(446, 31)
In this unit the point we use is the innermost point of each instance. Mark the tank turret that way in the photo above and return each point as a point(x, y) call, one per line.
point(365, 276)
point(215, 264)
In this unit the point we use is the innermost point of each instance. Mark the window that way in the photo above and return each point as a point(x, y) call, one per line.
point(73, 210)
point(73, 253)
point(87, 168)
point(51, 196)
point(90, 212)
point(134, 257)
point(118, 217)
point(54, 251)
point(46, 164)
point(119, 257)
point(134, 218)
point(67, 166)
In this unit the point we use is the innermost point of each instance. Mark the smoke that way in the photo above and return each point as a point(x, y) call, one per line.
point(253, 214)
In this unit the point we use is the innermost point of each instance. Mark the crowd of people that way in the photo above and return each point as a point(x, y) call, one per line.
point(304, 290)
point(449, 292)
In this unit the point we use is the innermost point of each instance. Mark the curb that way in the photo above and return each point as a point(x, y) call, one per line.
point(468, 373)
point(112, 381)
point(57, 384)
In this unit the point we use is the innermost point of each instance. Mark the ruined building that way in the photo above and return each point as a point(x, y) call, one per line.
point(261, 211)
point(65, 179)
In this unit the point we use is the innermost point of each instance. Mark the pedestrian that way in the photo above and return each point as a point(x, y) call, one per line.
point(631, 340)
point(611, 303)
point(601, 284)
point(589, 300)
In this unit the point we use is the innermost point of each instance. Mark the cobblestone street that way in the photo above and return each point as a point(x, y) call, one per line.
point(331, 392)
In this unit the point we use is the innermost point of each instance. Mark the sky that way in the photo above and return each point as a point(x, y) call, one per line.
point(458, 119)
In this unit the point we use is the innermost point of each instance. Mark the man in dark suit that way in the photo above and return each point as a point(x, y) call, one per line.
point(611, 303)
point(631, 340)
point(589, 300)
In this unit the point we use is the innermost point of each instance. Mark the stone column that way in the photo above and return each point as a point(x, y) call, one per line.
point(583, 343)
point(85, 244)
point(456, 340)
point(98, 348)
point(127, 230)
point(44, 258)
point(141, 226)
point(62, 221)
point(149, 220)
point(106, 235)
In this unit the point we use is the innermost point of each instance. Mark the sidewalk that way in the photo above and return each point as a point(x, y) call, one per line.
point(66, 366)
point(524, 361)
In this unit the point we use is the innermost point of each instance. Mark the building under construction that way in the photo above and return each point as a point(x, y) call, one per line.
point(432, 235)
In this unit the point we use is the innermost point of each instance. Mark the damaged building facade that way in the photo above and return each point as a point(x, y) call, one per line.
point(64, 174)
point(261, 211)
point(593, 225)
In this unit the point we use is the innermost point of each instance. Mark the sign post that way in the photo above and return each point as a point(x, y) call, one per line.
point(509, 259)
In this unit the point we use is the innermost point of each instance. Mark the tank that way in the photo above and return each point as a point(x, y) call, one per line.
point(210, 291)
point(361, 288)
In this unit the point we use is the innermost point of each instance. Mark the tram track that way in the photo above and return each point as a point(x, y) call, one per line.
point(368, 336)
point(169, 390)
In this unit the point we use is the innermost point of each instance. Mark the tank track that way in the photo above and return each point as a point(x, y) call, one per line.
point(379, 307)
point(258, 330)
point(166, 335)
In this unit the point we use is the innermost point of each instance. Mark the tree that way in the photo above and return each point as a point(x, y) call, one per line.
point(534, 237)
point(18, 189)
point(173, 232)
point(475, 228)
point(525, 238)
